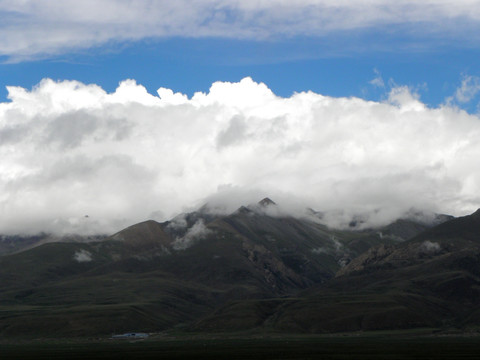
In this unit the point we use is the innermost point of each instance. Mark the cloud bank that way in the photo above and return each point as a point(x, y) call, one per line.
point(78, 159)
point(31, 28)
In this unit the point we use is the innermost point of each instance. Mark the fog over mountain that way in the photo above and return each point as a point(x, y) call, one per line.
point(76, 159)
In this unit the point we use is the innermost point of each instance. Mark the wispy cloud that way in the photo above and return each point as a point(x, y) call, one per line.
point(466, 94)
point(377, 81)
point(82, 256)
point(69, 150)
point(468, 90)
point(193, 234)
point(33, 28)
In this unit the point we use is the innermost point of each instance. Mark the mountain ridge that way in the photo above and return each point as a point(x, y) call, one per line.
point(198, 269)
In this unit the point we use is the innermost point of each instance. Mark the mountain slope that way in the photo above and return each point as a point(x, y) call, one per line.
point(433, 280)
point(10, 244)
point(200, 270)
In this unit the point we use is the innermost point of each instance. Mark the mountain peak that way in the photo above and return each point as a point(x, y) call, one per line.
point(266, 202)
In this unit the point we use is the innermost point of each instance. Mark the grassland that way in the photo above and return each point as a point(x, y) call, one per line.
point(351, 346)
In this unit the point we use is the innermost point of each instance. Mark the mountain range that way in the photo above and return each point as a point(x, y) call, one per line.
point(256, 269)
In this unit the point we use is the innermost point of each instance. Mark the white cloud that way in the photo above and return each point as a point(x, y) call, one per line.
point(468, 90)
point(194, 234)
point(45, 27)
point(70, 150)
point(430, 247)
point(377, 81)
point(82, 256)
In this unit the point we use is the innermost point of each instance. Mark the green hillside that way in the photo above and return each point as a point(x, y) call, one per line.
point(254, 268)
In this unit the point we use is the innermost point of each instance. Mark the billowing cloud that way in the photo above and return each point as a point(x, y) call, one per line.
point(32, 28)
point(78, 159)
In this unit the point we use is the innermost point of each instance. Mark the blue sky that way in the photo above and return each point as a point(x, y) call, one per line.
point(190, 65)
point(429, 54)
point(369, 106)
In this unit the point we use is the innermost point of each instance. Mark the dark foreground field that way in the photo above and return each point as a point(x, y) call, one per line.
point(324, 347)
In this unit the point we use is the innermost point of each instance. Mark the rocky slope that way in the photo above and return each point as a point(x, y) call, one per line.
point(432, 280)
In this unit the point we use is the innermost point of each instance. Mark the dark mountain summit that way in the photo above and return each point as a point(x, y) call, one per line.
point(465, 228)
point(266, 202)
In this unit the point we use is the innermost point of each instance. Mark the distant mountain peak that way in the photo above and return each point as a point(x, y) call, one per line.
point(243, 210)
point(266, 202)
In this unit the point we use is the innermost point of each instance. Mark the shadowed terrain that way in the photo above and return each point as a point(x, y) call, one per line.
point(255, 269)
